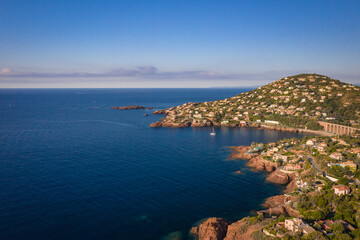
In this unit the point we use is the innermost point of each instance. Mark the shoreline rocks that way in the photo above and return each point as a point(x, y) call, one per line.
point(220, 229)
point(240, 152)
point(160, 112)
point(209, 123)
point(156, 124)
point(279, 177)
point(214, 228)
point(211, 229)
point(243, 229)
point(261, 164)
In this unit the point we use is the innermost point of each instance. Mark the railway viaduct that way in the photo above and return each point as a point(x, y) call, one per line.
point(337, 128)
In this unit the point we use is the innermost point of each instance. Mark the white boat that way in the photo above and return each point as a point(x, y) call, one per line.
point(213, 132)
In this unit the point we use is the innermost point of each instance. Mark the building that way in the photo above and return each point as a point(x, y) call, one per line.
point(292, 167)
point(298, 225)
point(321, 147)
point(326, 224)
point(350, 164)
point(278, 156)
point(272, 122)
point(336, 156)
point(310, 142)
point(341, 189)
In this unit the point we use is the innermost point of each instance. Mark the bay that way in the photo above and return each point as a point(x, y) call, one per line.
point(72, 168)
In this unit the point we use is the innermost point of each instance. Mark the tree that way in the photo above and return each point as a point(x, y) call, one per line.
point(344, 181)
point(342, 236)
point(337, 228)
point(314, 236)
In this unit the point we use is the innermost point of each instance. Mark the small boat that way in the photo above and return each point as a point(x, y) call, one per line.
point(213, 132)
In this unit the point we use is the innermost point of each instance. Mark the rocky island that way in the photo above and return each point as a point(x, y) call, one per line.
point(131, 107)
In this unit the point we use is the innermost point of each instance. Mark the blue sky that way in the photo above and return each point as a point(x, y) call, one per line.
point(173, 43)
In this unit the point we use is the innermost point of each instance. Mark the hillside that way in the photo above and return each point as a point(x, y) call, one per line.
point(294, 101)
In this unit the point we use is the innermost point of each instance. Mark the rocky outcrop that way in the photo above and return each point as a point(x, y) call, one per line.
point(255, 160)
point(210, 229)
point(291, 186)
point(261, 164)
point(156, 124)
point(160, 112)
point(242, 229)
point(279, 177)
point(131, 107)
point(278, 200)
point(280, 205)
point(240, 152)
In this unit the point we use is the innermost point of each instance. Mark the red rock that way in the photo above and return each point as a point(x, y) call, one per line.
point(242, 229)
point(156, 124)
point(278, 177)
point(160, 112)
point(291, 186)
point(132, 107)
point(261, 164)
point(210, 229)
point(240, 152)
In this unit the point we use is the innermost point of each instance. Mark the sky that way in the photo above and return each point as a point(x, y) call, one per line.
point(170, 43)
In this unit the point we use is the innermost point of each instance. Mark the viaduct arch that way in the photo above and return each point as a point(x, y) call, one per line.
point(337, 128)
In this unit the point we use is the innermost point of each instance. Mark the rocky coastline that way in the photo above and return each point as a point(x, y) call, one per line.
point(208, 123)
point(222, 229)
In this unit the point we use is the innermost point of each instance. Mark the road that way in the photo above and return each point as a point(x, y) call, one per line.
point(314, 164)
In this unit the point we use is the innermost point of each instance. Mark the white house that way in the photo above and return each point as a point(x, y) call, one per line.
point(341, 189)
point(272, 122)
point(298, 225)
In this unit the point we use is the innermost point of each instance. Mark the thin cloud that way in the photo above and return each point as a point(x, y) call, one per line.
point(144, 72)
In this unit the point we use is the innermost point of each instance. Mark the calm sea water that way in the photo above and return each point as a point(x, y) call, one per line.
point(71, 168)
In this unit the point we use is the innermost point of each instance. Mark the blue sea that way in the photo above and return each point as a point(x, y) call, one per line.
point(72, 168)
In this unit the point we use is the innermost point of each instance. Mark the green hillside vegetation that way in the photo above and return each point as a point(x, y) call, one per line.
point(295, 101)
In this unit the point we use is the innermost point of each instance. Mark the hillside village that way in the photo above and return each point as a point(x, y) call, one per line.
point(321, 173)
point(322, 195)
point(298, 101)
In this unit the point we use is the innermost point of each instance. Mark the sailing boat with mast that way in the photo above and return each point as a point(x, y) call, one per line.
point(213, 132)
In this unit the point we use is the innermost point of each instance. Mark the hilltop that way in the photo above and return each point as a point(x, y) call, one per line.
point(296, 101)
